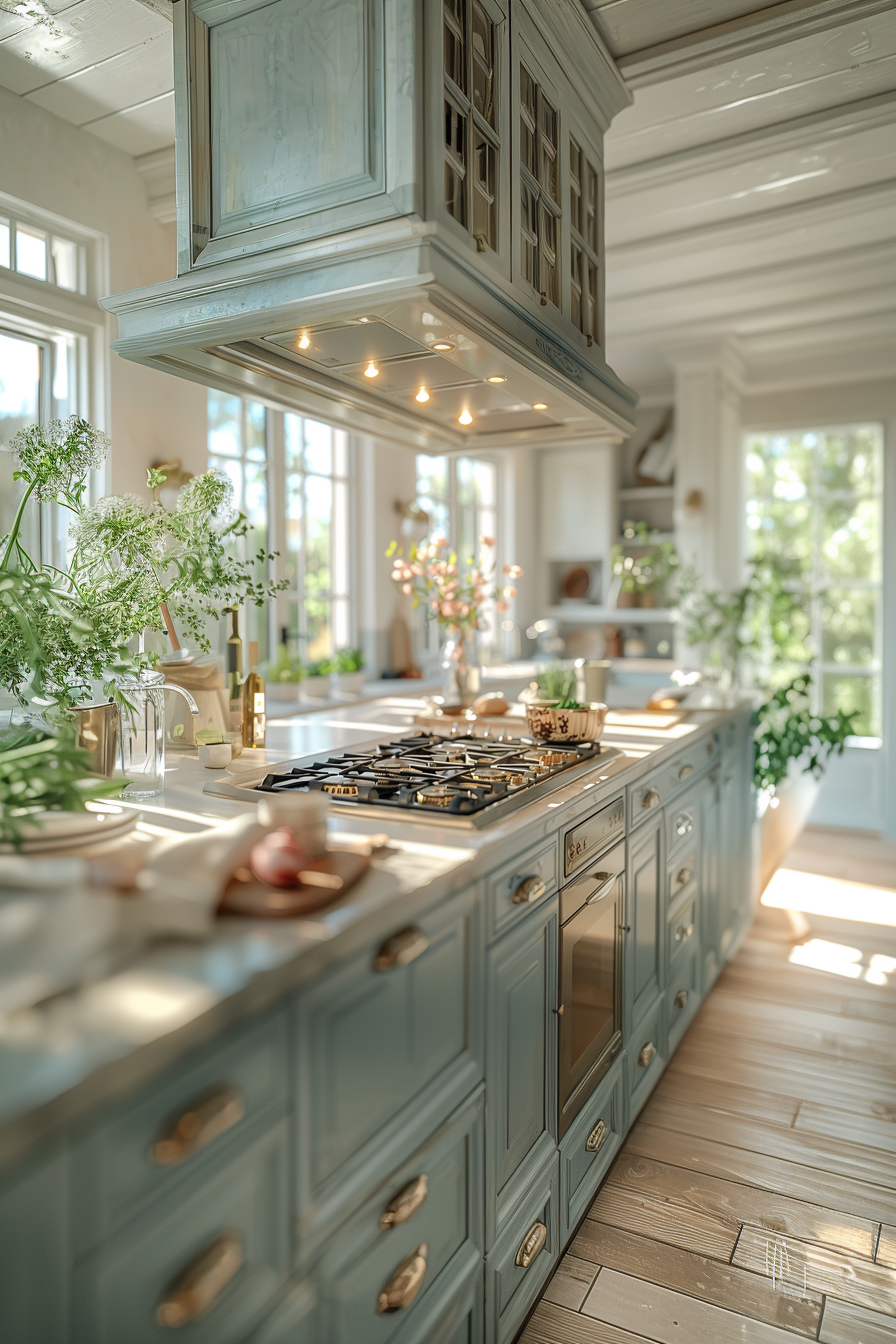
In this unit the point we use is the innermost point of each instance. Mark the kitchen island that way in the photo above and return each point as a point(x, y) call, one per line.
point(373, 1124)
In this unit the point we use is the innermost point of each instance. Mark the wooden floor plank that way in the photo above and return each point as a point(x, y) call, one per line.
point(843, 1323)
point(886, 1247)
point(801, 984)
point(723, 1285)
point(878, 1053)
point(551, 1324)
point(659, 1314)
point(740, 1203)
point(877, 1012)
point(753, 1101)
point(725, 1050)
point(570, 1284)
point(829, 1032)
point(827, 1271)
point(644, 1212)
point(768, 1173)
point(839, 1157)
point(837, 1123)
point(873, 1098)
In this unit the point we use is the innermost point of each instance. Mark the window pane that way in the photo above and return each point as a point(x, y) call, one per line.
point(4, 242)
point(31, 252)
point(340, 538)
point(224, 416)
point(851, 538)
point(255, 440)
point(65, 263)
point(233, 470)
point(848, 459)
point(292, 433)
point(319, 504)
point(19, 406)
point(849, 693)
point(848, 620)
point(340, 452)
point(318, 447)
point(432, 475)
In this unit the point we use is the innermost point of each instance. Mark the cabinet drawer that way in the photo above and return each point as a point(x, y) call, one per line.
point(387, 1042)
point(681, 877)
point(592, 835)
point(218, 1247)
point(187, 1122)
point(518, 1266)
point(666, 781)
point(423, 1226)
point(513, 889)
point(646, 1057)
point(682, 825)
point(683, 994)
point(682, 929)
point(589, 1147)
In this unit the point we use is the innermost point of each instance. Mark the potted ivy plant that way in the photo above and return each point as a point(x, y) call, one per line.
point(318, 683)
point(350, 671)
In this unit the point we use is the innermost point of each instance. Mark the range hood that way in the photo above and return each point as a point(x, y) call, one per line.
point(390, 215)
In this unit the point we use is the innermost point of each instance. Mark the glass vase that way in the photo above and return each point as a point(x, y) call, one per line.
point(461, 666)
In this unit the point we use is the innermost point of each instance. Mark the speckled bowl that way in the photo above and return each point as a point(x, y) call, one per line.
point(549, 724)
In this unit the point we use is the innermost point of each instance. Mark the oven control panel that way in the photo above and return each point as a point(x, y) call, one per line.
point(591, 835)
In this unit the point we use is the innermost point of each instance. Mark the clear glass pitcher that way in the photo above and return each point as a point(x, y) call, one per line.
point(142, 710)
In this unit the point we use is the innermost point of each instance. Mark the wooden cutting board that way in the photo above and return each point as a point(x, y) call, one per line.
point(326, 880)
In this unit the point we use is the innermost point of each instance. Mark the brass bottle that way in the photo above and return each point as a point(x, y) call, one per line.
point(253, 703)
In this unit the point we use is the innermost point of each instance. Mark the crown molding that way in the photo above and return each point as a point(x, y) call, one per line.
point(845, 119)
point(737, 38)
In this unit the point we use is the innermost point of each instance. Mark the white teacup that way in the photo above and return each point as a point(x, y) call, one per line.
point(304, 813)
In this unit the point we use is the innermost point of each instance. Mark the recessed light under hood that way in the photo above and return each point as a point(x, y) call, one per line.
point(344, 276)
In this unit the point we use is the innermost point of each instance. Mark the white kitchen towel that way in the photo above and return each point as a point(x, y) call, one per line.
point(185, 876)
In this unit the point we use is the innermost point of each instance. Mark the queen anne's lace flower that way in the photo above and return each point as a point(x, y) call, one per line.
point(58, 456)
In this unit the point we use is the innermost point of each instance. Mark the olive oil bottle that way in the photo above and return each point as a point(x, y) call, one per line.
point(235, 671)
point(253, 703)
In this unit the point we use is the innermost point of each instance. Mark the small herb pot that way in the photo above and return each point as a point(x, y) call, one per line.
point(547, 723)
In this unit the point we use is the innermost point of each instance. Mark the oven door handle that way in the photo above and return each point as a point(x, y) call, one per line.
point(606, 881)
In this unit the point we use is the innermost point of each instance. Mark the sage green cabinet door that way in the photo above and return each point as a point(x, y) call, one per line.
point(521, 1049)
point(713, 918)
point(646, 918)
point(34, 1253)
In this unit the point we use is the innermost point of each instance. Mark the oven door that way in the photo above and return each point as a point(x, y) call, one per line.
point(593, 912)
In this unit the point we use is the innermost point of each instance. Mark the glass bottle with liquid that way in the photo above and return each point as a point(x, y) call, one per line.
point(253, 709)
point(235, 671)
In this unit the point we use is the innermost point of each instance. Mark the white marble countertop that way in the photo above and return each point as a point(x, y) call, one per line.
point(89, 1046)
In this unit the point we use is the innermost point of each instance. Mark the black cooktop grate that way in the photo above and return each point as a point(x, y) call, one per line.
point(427, 773)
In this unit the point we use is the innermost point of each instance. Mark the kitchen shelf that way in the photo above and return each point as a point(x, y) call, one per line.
point(636, 492)
point(583, 613)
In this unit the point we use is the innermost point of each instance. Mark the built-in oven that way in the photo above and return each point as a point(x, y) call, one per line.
point(592, 922)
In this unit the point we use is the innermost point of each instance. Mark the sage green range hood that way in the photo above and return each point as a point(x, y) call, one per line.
point(390, 214)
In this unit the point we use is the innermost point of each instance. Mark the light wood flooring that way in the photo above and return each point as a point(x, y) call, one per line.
point(755, 1198)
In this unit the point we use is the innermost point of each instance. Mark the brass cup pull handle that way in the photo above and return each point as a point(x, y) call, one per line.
point(606, 881)
point(681, 998)
point(597, 1138)
point(401, 949)
point(647, 1054)
point(683, 876)
point(685, 771)
point(204, 1279)
point(683, 932)
point(532, 1245)
point(210, 1115)
point(405, 1204)
point(404, 1284)
point(530, 889)
point(650, 799)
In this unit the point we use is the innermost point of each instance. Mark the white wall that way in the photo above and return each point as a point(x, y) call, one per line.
point(50, 164)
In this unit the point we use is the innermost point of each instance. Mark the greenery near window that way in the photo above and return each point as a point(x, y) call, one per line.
point(291, 479)
point(814, 507)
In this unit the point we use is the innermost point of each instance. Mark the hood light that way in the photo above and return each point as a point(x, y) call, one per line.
point(539, 406)
point(465, 418)
point(442, 346)
point(422, 395)
point(371, 371)
point(496, 378)
point(304, 341)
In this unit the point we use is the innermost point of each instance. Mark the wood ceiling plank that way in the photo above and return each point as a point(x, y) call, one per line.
point(826, 1271)
point(829, 1189)
point(124, 80)
point(706, 1279)
point(740, 1203)
point(138, 130)
point(671, 1317)
point(684, 1226)
point(80, 36)
point(844, 1323)
point(550, 1324)
point(570, 1284)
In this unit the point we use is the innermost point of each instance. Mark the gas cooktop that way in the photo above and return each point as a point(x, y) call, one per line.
point(472, 780)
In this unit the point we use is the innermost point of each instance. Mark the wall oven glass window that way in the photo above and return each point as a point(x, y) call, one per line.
point(592, 916)
point(814, 506)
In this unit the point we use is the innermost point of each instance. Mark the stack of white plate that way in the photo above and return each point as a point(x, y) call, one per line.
point(75, 830)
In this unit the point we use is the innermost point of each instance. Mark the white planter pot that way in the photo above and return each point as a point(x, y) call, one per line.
point(287, 692)
point(781, 826)
point(317, 688)
point(350, 683)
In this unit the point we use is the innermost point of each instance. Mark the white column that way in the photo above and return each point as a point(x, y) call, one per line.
point(709, 489)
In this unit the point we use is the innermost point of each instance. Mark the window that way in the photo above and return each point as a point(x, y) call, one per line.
point(471, 139)
point(815, 503)
point(42, 254)
point(539, 189)
point(584, 211)
point(291, 479)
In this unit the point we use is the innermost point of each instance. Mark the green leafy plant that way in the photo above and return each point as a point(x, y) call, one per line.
point(786, 730)
point(285, 668)
point(349, 660)
point(322, 667)
point(558, 683)
point(42, 771)
point(653, 565)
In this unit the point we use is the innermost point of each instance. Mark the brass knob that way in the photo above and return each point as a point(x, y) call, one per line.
point(530, 889)
point(683, 876)
point(681, 998)
point(204, 1279)
point(683, 932)
point(401, 949)
point(404, 1284)
point(647, 1054)
point(650, 799)
point(405, 1204)
point(210, 1115)
point(532, 1245)
point(685, 771)
point(596, 1138)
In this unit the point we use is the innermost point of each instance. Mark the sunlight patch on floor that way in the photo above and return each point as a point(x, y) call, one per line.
point(831, 897)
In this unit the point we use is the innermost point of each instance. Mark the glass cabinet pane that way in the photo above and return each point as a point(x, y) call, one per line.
point(484, 65)
point(529, 234)
point(485, 222)
point(576, 307)
point(455, 162)
point(575, 185)
point(455, 46)
point(550, 166)
point(528, 122)
point(550, 246)
point(591, 230)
